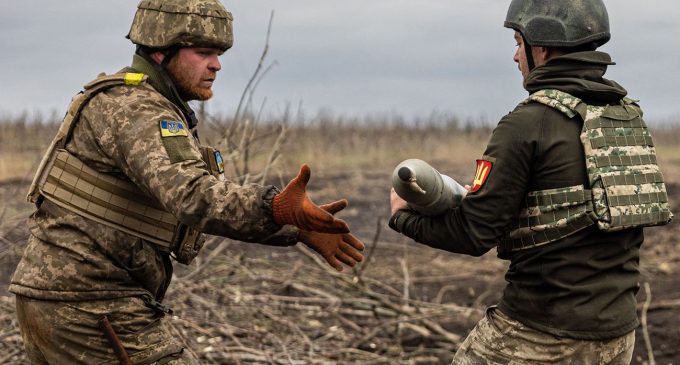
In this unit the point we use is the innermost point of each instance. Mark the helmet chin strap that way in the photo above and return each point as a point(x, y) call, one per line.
point(169, 54)
point(529, 55)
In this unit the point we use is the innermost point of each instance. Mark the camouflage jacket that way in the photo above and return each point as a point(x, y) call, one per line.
point(72, 258)
point(581, 286)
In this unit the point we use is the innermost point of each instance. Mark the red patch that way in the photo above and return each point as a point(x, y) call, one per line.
point(483, 170)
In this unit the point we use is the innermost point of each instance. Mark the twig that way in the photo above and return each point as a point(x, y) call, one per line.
point(645, 330)
point(257, 70)
point(275, 151)
point(213, 254)
point(358, 272)
point(443, 290)
point(407, 281)
point(661, 305)
point(6, 241)
point(315, 258)
point(11, 354)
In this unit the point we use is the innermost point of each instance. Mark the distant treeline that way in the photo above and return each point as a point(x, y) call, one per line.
point(324, 141)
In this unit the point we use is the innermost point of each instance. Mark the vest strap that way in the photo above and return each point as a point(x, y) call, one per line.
point(536, 237)
point(549, 215)
point(101, 83)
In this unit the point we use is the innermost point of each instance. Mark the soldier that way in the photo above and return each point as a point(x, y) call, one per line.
point(125, 186)
point(565, 184)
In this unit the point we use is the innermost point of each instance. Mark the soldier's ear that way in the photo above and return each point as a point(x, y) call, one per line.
point(157, 56)
point(542, 54)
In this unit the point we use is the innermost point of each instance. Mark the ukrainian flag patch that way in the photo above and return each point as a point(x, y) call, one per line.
point(173, 129)
point(220, 162)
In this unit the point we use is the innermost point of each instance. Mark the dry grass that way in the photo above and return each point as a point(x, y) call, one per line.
point(22, 143)
point(407, 304)
point(667, 139)
point(329, 144)
point(326, 144)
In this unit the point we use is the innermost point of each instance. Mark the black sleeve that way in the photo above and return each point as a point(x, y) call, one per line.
point(483, 217)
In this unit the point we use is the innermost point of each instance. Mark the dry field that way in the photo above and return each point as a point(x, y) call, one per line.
point(407, 304)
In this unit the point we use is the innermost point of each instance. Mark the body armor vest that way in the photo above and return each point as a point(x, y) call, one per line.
point(114, 201)
point(626, 186)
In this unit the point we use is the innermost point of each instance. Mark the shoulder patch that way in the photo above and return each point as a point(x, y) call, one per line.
point(134, 79)
point(482, 173)
point(173, 129)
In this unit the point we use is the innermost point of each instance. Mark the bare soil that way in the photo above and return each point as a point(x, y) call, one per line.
point(420, 275)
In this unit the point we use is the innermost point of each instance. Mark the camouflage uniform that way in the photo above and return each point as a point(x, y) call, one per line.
point(74, 270)
point(577, 290)
point(500, 340)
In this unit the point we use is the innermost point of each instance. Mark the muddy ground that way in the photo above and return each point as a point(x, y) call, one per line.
point(430, 275)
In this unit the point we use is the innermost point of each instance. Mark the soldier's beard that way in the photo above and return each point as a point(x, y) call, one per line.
point(185, 85)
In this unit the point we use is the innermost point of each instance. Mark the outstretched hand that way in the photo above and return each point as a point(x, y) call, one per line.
point(294, 207)
point(337, 249)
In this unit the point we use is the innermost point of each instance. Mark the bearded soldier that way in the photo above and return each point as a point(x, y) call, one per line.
point(125, 187)
point(565, 184)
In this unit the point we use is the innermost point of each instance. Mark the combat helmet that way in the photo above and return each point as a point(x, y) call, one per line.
point(560, 23)
point(161, 24)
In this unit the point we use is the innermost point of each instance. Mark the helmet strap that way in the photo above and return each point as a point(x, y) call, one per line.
point(169, 54)
point(529, 55)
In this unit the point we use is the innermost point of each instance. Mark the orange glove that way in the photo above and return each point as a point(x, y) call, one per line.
point(293, 206)
point(335, 248)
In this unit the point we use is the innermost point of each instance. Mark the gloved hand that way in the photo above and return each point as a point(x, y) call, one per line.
point(293, 206)
point(335, 248)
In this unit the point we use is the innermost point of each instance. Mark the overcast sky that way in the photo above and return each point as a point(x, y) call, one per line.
point(352, 57)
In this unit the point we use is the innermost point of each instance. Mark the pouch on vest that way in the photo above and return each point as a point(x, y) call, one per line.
point(187, 245)
point(626, 186)
point(213, 158)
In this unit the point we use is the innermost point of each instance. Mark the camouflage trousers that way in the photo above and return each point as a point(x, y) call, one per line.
point(499, 340)
point(69, 333)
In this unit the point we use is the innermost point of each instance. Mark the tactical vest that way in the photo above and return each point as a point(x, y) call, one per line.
point(626, 187)
point(111, 200)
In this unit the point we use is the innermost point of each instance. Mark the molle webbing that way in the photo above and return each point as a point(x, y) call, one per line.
point(549, 215)
point(626, 185)
point(67, 182)
point(102, 197)
point(106, 199)
point(628, 188)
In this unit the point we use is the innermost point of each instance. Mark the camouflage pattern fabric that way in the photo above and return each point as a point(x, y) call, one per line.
point(554, 98)
point(549, 215)
point(72, 258)
point(499, 340)
point(69, 333)
point(627, 184)
point(193, 23)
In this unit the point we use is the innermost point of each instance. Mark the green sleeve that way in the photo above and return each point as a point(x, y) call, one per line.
point(476, 226)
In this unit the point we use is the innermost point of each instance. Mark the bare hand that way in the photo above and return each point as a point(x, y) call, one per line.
point(396, 202)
